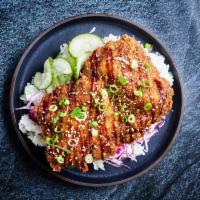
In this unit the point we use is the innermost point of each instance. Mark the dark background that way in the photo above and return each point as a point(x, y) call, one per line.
point(177, 24)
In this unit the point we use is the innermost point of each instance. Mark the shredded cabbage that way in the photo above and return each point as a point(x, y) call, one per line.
point(131, 151)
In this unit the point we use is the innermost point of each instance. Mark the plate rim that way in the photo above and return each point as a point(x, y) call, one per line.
point(23, 56)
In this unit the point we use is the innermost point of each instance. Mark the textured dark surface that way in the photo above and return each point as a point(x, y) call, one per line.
point(177, 24)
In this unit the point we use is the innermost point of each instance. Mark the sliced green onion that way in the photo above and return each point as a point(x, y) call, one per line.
point(95, 132)
point(102, 107)
point(142, 87)
point(59, 147)
point(89, 158)
point(81, 115)
point(104, 94)
point(65, 150)
point(117, 113)
point(54, 138)
point(59, 128)
point(124, 118)
point(113, 88)
point(47, 141)
point(147, 106)
point(77, 113)
point(147, 66)
point(96, 102)
point(53, 108)
point(134, 64)
point(138, 93)
point(108, 90)
point(122, 80)
point(59, 159)
point(64, 102)
point(93, 124)
point(131, 118)
point(148, 46)
point(55, 120)
point(62, 114)
point(84, 108)
point(51, 140)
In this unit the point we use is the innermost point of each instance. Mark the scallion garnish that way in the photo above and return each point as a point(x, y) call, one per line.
point(102, 107)
point(93, 124)
point(122, 80)
point(84, 108)
point(104, 94)
point(96, 102)
point(55, 120)
point(138, 93)
point(124, 118)
point(148, 46)
point(59, 128)
point(117, 113)
point(64, 102)
point(131, 118)
point(47, 141)
point(94, 132)
point(77, 113)
point(59, 159)
point(113, 88)
point(134, 64)
point(147, 106)
point(54, 139)
point(53, 108)
point(89, 158)
point(62, 114)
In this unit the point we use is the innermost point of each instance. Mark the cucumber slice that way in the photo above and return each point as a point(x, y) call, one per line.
point(79, 64)
point(82, 43)
point(30, 90)
point(61, 66)
point(48, 65)
point(62, 71)
point(42, 80)
point(66, 55)
point(62, 79)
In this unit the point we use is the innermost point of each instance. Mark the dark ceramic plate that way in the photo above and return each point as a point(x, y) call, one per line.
point(47, 44)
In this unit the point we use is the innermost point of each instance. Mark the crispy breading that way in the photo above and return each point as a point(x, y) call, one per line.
point(101, 70)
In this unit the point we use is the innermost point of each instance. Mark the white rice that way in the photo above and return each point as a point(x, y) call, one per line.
point(159, 62)
point(33, 131)
point(111, 37)
point(157, 59)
